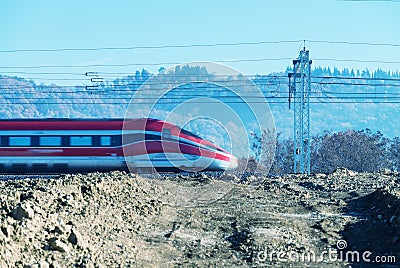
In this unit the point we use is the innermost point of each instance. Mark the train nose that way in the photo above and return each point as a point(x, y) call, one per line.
point(233, 163)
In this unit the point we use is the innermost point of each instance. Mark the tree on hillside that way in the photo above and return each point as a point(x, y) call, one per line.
point(356, 150)
point(138, 76)
point(394, 154)
point(264, 146)
point(276, 154)
point(283, 160)
point(145, 75)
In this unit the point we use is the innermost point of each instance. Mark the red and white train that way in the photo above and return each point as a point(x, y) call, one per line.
point(83, 145)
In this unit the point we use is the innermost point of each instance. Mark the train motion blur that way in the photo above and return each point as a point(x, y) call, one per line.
point(85, 145)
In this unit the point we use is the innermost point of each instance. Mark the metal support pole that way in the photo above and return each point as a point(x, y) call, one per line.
point(300, 89)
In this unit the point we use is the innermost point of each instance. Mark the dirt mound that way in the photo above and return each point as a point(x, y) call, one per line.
point(377, 228)
point(117, 219)
point(78, 220)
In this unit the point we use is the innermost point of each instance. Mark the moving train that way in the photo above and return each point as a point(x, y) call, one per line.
point(84, 145)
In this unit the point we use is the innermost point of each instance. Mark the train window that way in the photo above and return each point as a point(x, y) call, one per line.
point(166, 133)
point(213, 147)
point(49, 141)
point(19, 141)
point(116, 140)
point(152, 137)
point(80, 141)
point(105, 141)
point(186, 132)
point(136, 137)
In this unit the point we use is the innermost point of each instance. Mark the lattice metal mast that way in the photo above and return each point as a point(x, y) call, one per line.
point(299, 90)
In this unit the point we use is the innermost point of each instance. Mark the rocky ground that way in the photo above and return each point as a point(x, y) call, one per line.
point(124, 220)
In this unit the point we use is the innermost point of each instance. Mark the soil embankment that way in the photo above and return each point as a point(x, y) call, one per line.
point(123, 220)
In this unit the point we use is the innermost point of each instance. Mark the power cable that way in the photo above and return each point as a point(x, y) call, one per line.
point(152, 47)
point(202, 45)
point(136, 64)
point(352, 43)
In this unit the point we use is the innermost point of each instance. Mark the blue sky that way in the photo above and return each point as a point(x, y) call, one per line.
point(45, 24)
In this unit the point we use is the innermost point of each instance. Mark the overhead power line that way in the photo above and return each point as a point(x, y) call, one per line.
point(357, 60)
point(43, 73)
point(176, 63)
point(152, 47)
point(270, 81)
point(198, 45)
point(393, 1)
point(353, 43)
point(318, 101)
point(137, 64)
point(357, 78)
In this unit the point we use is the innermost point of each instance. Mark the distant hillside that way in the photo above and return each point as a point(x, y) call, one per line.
point(20, 98)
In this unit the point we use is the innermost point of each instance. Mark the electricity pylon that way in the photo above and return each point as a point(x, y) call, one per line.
point(300, 89)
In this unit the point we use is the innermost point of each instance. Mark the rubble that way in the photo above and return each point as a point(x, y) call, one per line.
point(119, 219)
point(23, 211)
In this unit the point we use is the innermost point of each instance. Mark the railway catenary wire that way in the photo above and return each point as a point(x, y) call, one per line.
point(233, 84)
point(301, 41)
point(359, 97)
point(338, 97)
point(176, 63)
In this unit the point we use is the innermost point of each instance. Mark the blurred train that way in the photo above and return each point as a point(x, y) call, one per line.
point(84, 145)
